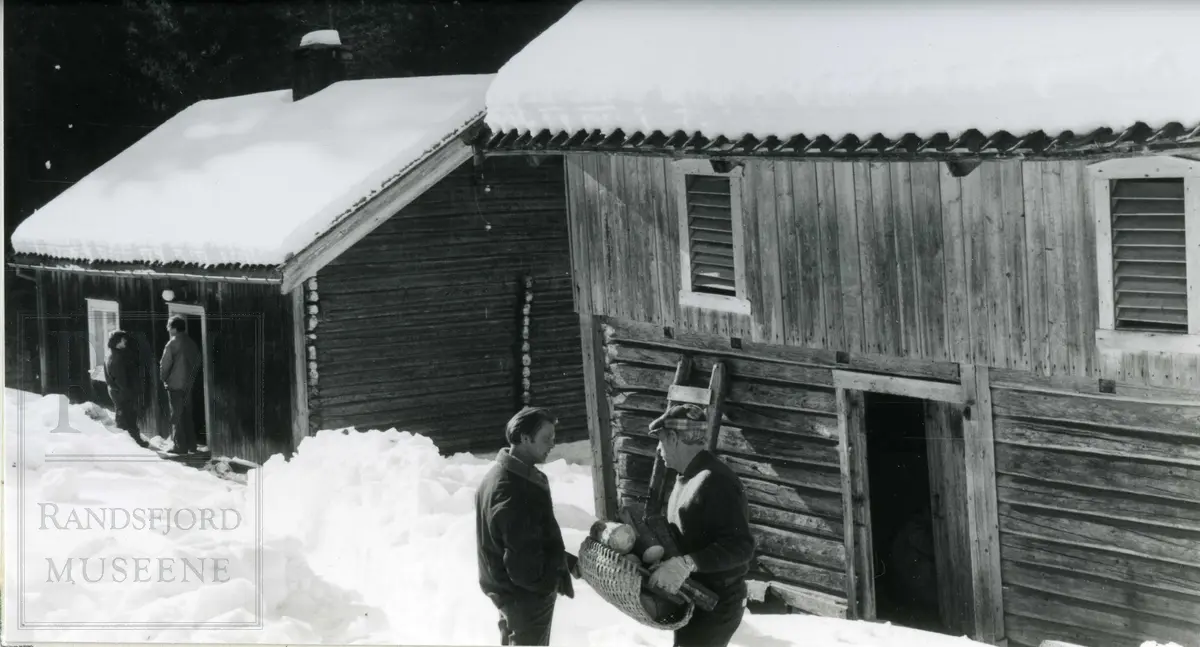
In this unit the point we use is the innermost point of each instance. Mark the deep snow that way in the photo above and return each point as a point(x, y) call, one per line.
point(255, 178)
point(367, 538)
point(766, 67)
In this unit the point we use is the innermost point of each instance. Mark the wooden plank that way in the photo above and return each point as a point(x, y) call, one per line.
point(849, 267)
point(1180, 417)
point(1118, 506)
point(577, 219)
point(599, 429)
point(776, 446)
point(1037, 306)
point(975, 247)
point(829, 280)
point(1056, 276)
point(948, 510)
point(1089, 280)
point(1096, 440)
point(805, 475)
point(869, 259)
point(793, 498)
point(769, 308)
point(808, 601)
point(930, 262)
point(995, 281)
point(717, 389)
point(1171, 545)
point(1070, 384)
point(299, 369)
point(788, 520)
point(982, 507)
point(645, 232)
point(792, 195)
point(889, 316)
point(907, 266)
point(816, 401)
point(689, 394)
point(1071, 210)
point(809, 208)
point(416, 179)
point(1114, 568)
point(641, 334)
point(818, 551)
point(855, 488)
point(806, 575)
point(955, 243)
point(666, 230)
point(907, 387)
point(1012, 193)
point(742, 368)
point(1115, 621)
point(1129, 475)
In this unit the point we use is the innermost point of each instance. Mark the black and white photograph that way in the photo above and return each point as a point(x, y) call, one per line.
point(602, 323)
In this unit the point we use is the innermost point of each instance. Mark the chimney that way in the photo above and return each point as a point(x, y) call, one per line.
point(319, 62)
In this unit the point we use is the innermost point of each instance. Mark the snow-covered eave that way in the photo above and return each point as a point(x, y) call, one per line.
point(226, 273)
point(1102, 142)
point(373, 209)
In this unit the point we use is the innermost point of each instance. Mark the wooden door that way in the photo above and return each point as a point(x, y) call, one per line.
point(948, 509)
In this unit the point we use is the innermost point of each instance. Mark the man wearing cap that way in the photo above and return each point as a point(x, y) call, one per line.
point(710, 518)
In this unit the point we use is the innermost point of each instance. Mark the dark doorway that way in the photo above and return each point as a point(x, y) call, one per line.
point(906, 583)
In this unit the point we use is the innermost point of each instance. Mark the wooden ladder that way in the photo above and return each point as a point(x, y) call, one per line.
point(651, 523)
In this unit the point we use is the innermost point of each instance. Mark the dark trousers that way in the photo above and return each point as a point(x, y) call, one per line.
point(525, 620)
point(714, 628)
point(182, 433)
point(127, 418)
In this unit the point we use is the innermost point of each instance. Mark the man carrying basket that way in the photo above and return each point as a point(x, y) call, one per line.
point(709, 516)
point(523, 565)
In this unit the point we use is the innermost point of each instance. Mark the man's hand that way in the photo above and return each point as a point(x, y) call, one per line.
point(573, 566)
point(670, 575)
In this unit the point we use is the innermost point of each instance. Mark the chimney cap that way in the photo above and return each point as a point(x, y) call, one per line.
point(323, 37)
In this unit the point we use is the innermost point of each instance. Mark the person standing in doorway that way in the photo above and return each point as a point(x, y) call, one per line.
point(177, 369)
point(709, 516)
point(523, 565)
point(124, 388)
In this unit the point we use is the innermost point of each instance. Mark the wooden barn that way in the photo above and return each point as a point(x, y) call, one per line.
point(342, 258)
point(963, 363)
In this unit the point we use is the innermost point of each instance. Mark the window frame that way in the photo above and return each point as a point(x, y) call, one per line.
point(94, 306)
point(1100, 176)
point(739, 304)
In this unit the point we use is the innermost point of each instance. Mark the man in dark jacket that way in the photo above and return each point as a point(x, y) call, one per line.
point(177, 369)
point(523, 566)
point(710, 518)
point(122, 375)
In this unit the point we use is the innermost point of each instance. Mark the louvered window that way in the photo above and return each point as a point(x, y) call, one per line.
point(1149, 255)
point(710, 235)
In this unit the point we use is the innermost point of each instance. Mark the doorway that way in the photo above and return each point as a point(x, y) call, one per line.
point(197, 330)
point(906, 583)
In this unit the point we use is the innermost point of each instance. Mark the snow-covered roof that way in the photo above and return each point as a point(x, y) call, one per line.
point(252, 179)
point(769, 68)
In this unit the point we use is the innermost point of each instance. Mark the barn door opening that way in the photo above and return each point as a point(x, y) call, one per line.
point(905, 495)
point(197, 329)
point(906, 586)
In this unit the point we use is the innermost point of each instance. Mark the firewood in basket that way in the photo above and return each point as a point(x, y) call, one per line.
point(617, 536)
point(660, 608)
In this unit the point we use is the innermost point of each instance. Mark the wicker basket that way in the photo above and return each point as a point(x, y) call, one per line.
point(619, 582)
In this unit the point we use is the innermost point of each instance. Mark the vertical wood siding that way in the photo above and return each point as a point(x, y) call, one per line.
point(1099, 501)
point(997, 268)
point(420, 322)
point(249, 351)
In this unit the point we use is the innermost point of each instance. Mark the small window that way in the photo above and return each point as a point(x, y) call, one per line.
point(1147, 215)
point(713, 274)
point(103, 319)
point(1149, 251)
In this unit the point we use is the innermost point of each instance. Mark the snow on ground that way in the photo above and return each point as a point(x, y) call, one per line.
point(252, 179)
point(766, 67)
point(366, 538)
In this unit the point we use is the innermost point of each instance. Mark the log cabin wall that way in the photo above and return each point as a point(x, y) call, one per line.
point(997, 268)
point(250, 353)
point(1099, 507)
point(420, 323)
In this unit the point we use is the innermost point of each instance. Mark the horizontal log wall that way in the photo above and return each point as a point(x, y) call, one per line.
point(997, 268)
point(420, 324)
point(781, 438)
point(250, 352)
point(1099, 503)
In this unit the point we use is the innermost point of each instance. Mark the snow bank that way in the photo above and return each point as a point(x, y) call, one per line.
point(367, 538)
point(782, 68)
point(252, 179)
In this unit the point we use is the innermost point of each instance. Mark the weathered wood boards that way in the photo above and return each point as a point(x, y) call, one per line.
point(997, 268)
point(1099, 507)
